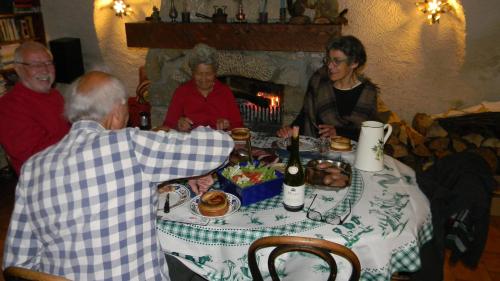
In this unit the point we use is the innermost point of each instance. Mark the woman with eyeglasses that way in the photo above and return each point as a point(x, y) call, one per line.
point(338, 98)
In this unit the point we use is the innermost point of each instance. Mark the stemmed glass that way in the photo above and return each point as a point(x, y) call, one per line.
point(172, 13)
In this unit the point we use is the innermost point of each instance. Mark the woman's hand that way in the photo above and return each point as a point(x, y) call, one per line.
point(161, 128)
point(327, 131)
point(284, 132)
point(184, 124)
point(201, 184)
point(222, 124)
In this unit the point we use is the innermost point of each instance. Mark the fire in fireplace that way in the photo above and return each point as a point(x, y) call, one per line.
point(260, 102)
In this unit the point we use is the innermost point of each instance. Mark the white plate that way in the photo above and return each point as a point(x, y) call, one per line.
point(306, 143)
point(178, 196)
point(234, 205)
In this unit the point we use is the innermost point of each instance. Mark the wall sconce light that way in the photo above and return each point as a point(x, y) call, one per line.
point(435, 8)
point(121, 8)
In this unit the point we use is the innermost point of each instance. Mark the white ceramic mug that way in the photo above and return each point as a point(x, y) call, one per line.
point(370, 149)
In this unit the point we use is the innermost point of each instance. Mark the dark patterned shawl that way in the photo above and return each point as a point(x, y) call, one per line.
point(320, 106)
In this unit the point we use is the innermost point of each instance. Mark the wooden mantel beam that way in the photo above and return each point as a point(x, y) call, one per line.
point(231, 36)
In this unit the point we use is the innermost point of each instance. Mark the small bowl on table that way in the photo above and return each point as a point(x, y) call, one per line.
point(253, 193)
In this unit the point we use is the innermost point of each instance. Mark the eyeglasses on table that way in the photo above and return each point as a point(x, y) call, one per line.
point(330, 219)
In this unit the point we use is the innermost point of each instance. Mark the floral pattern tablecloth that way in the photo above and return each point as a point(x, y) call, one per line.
point(390, 219)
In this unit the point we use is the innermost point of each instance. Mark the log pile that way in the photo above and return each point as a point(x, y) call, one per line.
point(429, 139)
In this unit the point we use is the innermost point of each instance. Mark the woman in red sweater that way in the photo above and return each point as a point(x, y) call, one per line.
point(203, 100)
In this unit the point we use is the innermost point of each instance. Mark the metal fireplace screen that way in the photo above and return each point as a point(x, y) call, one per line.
point(260, 102)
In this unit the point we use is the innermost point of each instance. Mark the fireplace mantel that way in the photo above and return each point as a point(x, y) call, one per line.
point(231, 36)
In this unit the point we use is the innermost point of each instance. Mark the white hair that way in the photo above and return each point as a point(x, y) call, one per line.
point(96, 103)
point(202, 54)
point(29, 46)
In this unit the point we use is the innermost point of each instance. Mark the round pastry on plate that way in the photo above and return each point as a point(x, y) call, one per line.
point(213, 204)
point(240, 134)
point(340, 143)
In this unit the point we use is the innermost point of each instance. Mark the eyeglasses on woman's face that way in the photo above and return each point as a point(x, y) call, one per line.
point(335, 61)
point(329, 218)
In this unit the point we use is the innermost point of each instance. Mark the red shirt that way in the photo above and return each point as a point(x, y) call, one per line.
point(30, 122)
point(189, 102)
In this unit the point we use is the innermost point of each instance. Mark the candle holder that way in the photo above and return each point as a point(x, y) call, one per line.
point(173, 12)
point(282, 15)
point(186, 17)
point(263, 17)
point(240, 16)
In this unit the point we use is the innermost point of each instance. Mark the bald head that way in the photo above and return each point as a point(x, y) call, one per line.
point(95, 96)
point(91, 81)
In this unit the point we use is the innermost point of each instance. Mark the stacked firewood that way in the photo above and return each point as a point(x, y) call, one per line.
point(429, 139)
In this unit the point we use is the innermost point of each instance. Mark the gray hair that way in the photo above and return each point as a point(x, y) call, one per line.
point(29, 46)
point(96, 103)
point(202, 54)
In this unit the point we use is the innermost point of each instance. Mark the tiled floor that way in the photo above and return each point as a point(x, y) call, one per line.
point(488, 269)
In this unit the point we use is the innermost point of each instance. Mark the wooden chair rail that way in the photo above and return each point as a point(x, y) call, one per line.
point(319, 247)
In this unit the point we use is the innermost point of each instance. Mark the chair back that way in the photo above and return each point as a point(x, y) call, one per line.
point(14, 273)
point(319, 247)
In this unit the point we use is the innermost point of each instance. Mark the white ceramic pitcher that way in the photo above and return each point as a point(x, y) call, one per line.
point(370, 149)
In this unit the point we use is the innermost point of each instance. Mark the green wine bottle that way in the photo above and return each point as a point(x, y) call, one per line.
point(294, 182)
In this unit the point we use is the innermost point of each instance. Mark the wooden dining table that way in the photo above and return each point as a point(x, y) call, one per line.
point(388, 219)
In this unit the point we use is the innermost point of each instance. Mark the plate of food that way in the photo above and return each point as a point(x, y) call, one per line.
point(214, 204)
point(178, 194)
point(328, 173)
point(306, 143)
point(342, 144)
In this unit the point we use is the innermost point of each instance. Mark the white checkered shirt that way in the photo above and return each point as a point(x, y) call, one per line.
point(86, 207)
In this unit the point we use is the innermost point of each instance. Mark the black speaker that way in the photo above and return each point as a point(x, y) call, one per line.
point(68, 60)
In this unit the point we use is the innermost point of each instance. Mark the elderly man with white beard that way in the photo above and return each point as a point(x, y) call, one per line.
point(31, 114)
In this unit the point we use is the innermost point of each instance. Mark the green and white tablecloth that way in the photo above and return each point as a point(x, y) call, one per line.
point(389, 221)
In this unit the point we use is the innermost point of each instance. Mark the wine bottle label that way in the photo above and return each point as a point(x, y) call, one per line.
point(293, 170)
point(293, 195)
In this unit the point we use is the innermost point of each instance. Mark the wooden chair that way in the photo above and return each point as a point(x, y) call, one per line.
point(319, 247)
point(14, 273)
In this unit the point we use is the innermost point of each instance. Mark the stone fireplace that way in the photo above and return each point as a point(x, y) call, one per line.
point(282, 54)
point(259, 102)
point(167, 68)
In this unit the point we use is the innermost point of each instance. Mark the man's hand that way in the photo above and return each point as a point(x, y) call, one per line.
point(200, 185)
point(184, 124)
point(284, 132)
point(222, 124)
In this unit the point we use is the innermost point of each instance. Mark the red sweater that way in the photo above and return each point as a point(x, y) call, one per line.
point(30, 122)
point(189, 102)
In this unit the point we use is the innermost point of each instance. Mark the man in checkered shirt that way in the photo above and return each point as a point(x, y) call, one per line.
point(86, 207)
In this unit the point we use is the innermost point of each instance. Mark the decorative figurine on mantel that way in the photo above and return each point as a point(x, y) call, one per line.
point(325, 12)
point(155, 15)
point(296, 10)
point(240, 16)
